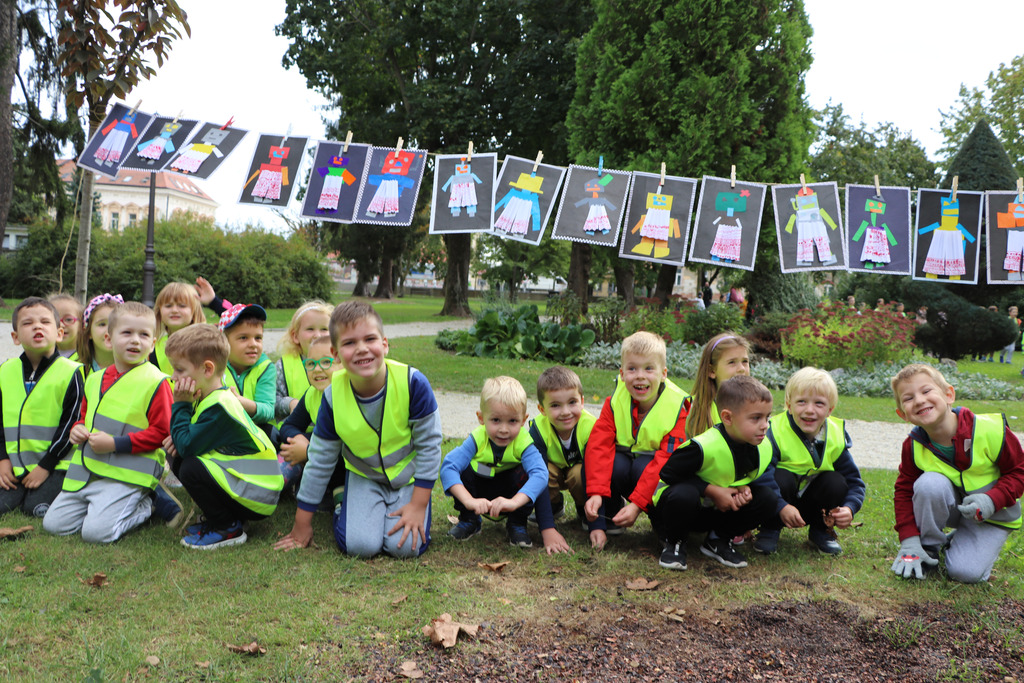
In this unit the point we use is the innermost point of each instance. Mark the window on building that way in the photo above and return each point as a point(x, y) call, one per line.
point(115, 221)
point(132, 218)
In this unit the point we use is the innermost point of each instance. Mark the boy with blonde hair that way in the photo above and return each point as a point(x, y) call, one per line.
point(957, 470)
point(497, 471)
point(379, 417)
point(816, 474)
point(640, 425)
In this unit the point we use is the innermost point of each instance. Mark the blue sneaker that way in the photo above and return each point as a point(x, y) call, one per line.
point(193, 529)
point(212, 539)
point(466, 528)
point(824, 541)
point(167, 507)
point(518, 536)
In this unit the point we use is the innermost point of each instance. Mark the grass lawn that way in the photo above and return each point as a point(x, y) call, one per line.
point(319, 613)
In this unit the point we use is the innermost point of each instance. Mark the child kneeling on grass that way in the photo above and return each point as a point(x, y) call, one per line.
point(957, 470)
point(225, 462)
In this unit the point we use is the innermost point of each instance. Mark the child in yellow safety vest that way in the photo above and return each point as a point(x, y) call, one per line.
point(177, 306)
point(310, 320)
point(250, 375)
point(40, 397)
point(69, 311)
point(111, 480)
point(225, 462)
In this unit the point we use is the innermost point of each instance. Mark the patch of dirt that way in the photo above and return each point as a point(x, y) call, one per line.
point(780, 641)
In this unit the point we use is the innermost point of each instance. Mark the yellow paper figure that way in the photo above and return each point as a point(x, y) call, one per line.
point(656, 227)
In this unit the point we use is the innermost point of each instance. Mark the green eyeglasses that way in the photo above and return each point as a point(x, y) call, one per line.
point(312, 364)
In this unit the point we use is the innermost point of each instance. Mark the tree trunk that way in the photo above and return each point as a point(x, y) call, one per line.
point(385, 279)
point(625, 277)
point(580, 260)
point(360, 286)
point(9, 44)
point(456, 281)
point(84, 237)
point(666, 281)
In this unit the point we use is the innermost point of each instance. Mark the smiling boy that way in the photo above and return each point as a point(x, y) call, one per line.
point(957, 470)
point(251, 376)
point(814, 469)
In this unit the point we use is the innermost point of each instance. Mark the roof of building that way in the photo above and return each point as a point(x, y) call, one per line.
point(133, 178)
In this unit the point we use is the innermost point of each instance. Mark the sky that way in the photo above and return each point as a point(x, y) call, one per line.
point(900, 61)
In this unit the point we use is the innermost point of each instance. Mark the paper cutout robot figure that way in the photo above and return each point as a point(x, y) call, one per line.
point(877, 236)
point(194, 154)
point(656, 227)
point(946, 252)
point(270, 176)
point(153, 149)
point(391, 181)
point(729, 237)
point(116, 135)
point(1011, 220)
point(522, 205)
point(335, 175)
point(597, 216)
point(810, 220)
point(463, 192)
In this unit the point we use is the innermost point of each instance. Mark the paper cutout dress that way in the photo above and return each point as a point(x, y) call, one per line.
point(656, 227)
point(116, 135)
point(729, 237)
point(810, 220)
point(463, 189)
point(877, 237)
point(193, 156)
point(161, 144)
point(335, 176)
point(597, 215)
point(946, 252)
point(391, 181)
point(271, 176)
point(1011, 220)
point(522, 206)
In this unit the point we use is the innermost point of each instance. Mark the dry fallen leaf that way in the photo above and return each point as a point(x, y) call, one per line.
point(152, 660)
point(20, 569)
point(399, 600)
point(445, 631)
point(642, 584)
point(453, 519)
point(204, 664)
point(98, 580)
point(505, 601)
point(7, 532)
point(410, 670)
point(251, 649)
point(493, 566)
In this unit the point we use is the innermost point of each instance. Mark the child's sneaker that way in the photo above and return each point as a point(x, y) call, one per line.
point(824, 541)
point(167, 507)
point(518, 536)
point(466, 528)
point(212, 539)
point(673, 555)
point(721, 549)
point(767, 541)
point(193, 529)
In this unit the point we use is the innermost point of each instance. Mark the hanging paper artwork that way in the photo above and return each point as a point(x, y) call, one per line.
point(157, 145)
point(878, 229)
point(526, 194)
point(388, 194)
point(1004, 237)
point(809, 227)
point(463, 193)
point(658, 218)
point(207, 149)
point(593, 204)
point(946, 245)
point(114, 139)
point(728, 223)
point(272, 171)
point(334, 181)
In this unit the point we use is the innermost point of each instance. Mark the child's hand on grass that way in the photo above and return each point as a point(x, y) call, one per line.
point(598, 539)
point(791, 517)
point(554, 542)
point(301, 534)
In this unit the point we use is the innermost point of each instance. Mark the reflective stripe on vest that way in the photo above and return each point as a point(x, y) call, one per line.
point(486, 464)
point(248, 387)
point(31, 420)
point(658, 422)
point(982, 453)
point(796, 455)
point(252, 479)
point(386, 455)
point(129, 398)
point(295, 381)
point(546, 439)
point(719, 466)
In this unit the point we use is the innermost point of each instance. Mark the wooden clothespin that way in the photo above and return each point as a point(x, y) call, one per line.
point(956, 181)
point(540, 155)
point(878, 187)
point(230, 121)
point(661, 181)
point(135, 108)
point(348, 141)
point(732, 176)
point(469, 152)
point(1020, 190)
point(178, 116)
point(803, 183)
point(287, 134)
point(398, 147)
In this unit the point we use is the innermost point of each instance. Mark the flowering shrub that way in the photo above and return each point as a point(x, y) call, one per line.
point(833, 335)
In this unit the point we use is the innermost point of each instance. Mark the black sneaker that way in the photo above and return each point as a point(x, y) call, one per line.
point(823, 540)
point(767, 541)
point(721, 549)
point(466, 528)
point(518, 537)
point(673, 555)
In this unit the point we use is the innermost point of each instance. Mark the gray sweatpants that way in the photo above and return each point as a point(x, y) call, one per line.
point(103, 510)
point(362, 524)
point(976, 545)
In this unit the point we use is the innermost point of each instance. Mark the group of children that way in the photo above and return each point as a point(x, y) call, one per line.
point(148, 395)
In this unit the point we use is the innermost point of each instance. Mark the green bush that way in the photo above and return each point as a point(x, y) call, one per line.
point(697, 326)
point(765, 335)
point(448, 340)
point(957, 328)
point(650, 317)
point(832, 336)
point(605, 317)
point(521, 334)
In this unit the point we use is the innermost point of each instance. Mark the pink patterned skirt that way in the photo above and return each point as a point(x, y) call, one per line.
point(656, 224)
point(268, 185)
point(876, 247)
point(946, 254)
point(728, 241)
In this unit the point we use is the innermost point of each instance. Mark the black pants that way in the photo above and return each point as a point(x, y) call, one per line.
point(626, 473)
point(505, 484)
point(220, 509)
point(826, 491)
point(681, 510)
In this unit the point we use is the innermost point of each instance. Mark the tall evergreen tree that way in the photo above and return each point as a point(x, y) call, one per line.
point(700, 85)
point(981, 163)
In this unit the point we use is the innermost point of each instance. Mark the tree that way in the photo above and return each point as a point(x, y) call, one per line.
point(103, 58)
point(443, 73)
point(698, 84)
point(1000, 102)
point(981, 163)
point(512, 264)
